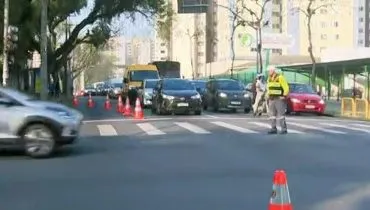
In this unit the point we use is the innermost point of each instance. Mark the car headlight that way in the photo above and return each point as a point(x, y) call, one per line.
point(223, 95)
point(321, 102)
point(197, 96)
point(246, 95)
point(168, 97)
point(294, 100)
point(147, 95)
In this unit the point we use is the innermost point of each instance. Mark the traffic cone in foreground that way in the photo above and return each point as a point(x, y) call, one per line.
point(127, 111)
point(120, 107)
point(90, 102)
point(139, 114)
point(107, 104)
point(75, 100)
point(280, 198)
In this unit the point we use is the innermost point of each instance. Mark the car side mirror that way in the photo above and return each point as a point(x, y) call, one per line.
point(198, 89)
point(125, 80)
point(6, 102)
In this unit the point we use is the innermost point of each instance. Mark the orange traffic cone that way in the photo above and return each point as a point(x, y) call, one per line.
point(120, 107)
point(280, 198)
point(107, 104)
point(127, 111)
point(139, 115)
point(90, 102)
point(75, 100)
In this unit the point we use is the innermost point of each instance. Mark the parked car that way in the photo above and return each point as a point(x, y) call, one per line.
point(200, 86)
point(303, 98)
point(89, 90)
point(115, 90)
point(149, 85)
point(37, 127)
point(176, 96)
point(227, 94)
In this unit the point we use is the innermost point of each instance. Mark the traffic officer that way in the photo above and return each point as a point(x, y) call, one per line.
point(277, 90)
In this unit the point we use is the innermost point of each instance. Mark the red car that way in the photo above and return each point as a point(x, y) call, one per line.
point(303, 98)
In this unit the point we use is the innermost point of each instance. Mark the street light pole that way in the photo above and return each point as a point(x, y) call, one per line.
point(5, 43)
point(44, 50)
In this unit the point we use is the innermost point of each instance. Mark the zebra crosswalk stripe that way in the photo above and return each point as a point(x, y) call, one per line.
point(150, 129)
point(318, 128)
point(346, 127)
point(107, 130)
point(265, 125)
point(233, 127)
point(192, 128)
point(362, 125)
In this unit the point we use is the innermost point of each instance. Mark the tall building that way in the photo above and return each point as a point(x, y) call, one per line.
point(140, 51)
point(362, 23)
point(116, 48)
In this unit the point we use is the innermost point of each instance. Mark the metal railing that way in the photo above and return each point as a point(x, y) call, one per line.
point(356, 108)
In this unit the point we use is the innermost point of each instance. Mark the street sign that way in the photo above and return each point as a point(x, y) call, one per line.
point(269, 40)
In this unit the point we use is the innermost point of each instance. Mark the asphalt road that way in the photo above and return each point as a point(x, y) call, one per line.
point(214, 161)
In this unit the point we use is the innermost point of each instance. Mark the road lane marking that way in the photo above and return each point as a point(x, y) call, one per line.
point(192, 128)
point(346, 127)
point(362, 125)
point(150, 129)
point(233, 127)
point(107, 130)
point(266, 125)
point(211, 116)
point(318, 128)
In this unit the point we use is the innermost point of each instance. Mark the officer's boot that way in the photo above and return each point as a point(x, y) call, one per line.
point(272, 131)
point(284, 129)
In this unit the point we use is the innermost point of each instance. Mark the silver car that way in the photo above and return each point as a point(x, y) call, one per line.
point(149, 85)
point(38, 127)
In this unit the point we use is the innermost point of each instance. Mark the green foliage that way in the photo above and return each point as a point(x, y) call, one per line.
point(166, 18)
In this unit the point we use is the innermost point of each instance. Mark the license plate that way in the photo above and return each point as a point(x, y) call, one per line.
point(182, 104)
point(235, 102)
point(310, 106)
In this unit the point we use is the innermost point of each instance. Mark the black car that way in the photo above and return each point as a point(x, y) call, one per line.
point(176, 96)
point(227, 94)
point(200, 86)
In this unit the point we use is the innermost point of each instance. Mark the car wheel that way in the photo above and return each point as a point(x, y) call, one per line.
point(39, 141)
point(205, 107)
point(233, 110)
point(247, 110)
point(199, 112)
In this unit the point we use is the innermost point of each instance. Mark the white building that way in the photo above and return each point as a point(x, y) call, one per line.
point(140, 51)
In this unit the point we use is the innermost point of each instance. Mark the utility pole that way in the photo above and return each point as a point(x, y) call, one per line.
point(44, 50)
point(5, 42)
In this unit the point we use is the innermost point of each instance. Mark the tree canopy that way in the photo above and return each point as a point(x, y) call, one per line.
point(25, 14)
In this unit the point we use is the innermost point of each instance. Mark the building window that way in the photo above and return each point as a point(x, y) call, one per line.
point(276, 1)
point(336, 36)
point(323, 25)
point(163, 59)
point(276, 26)
point(200, 54)
point(276, 14)
point(323, 36)
point(361, 20)
point(277, 51)
point(361, 30)
point(163, 44)
point(361, 8)
point(162, 51)
point(360, 42)
point(253, 49)
point(323, 11)
point(336, 24)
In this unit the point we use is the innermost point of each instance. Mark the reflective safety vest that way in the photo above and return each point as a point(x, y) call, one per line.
point(274, 88)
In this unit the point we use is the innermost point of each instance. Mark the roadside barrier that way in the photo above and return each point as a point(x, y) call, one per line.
point(361, 108)
point(348, 107)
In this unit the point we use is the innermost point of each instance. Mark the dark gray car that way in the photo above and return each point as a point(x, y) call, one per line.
point(226, 94)
point(38, 127)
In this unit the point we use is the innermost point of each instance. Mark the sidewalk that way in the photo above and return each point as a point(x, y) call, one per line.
point(333, 108)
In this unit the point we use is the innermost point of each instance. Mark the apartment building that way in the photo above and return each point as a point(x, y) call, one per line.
point(116, 49)
point(140, 51)
point(331, 27)
point(362, 23)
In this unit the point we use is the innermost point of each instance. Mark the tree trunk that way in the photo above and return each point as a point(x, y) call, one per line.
point(5, 43)
point(232, 51)
point(310, 51)
point(191, 55)
point(259, 50)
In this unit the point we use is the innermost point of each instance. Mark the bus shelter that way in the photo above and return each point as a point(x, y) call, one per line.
point(334, 74)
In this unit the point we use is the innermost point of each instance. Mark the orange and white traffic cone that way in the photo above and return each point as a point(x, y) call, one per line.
point(120, 107)
point(75, 100)
point(139, 114)
point(280, 198)
point(107, 104)
point(127, 111)
point(90, 102)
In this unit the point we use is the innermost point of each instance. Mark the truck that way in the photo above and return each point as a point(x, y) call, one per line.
point(167, 69)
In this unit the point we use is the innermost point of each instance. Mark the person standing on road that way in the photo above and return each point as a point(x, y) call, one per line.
point(260, 90)
point(277, 90)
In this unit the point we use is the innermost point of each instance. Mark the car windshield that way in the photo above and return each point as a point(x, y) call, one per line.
point(177, 85)
point(301, 88)
point(143, 75)
point(18, 95)
point(117, 85)
point(229, 85)
point(150, 83)
point(199, 84)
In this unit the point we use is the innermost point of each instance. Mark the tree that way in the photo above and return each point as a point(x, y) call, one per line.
point(164, 25)
point(309, 9)
point(102, 70)
point(85, 57)
point(235, 24)
point(194, 36)
point(254, 19)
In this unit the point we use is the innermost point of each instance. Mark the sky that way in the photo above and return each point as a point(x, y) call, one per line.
point(139, 28)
